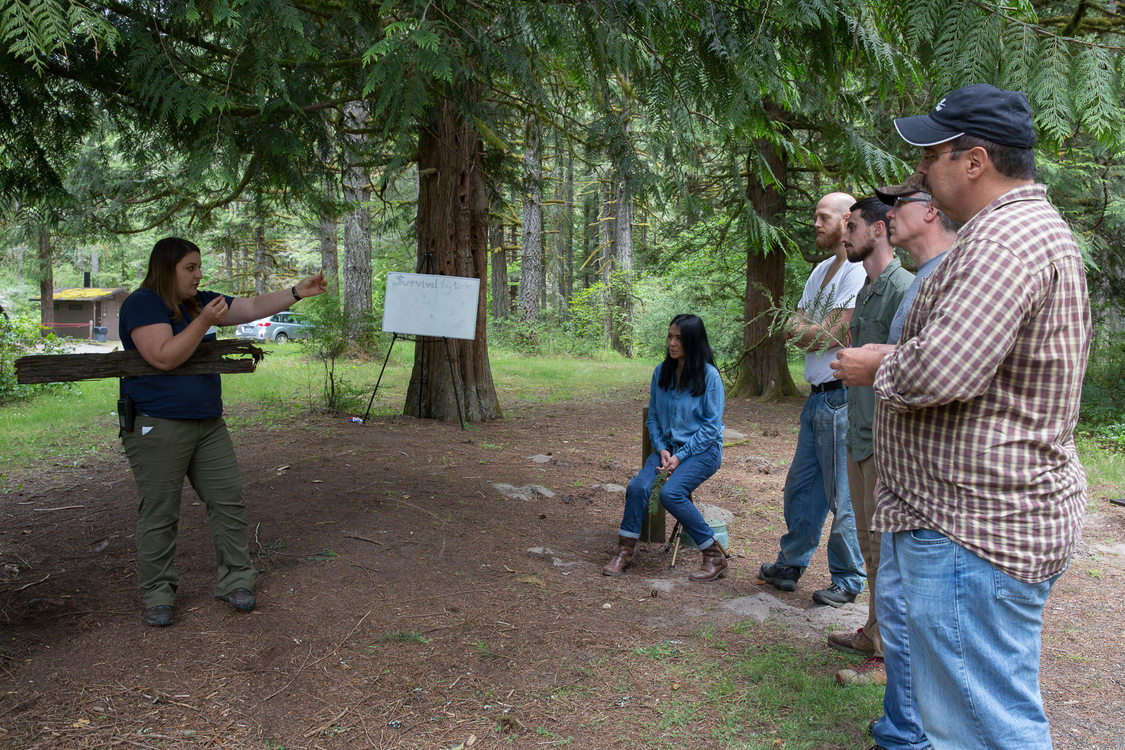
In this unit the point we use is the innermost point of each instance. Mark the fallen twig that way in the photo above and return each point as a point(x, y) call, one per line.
point(318, 661)
point(327, 724)
point(61, 507)
point(363, 539)
point(34, 583)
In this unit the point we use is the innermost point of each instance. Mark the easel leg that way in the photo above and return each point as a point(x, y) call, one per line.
point(371, 400)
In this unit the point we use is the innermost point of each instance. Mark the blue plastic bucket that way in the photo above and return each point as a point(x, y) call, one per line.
point(718, 528)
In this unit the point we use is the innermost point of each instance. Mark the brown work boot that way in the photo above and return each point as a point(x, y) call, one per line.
point(869, 672)
point(622, 559)
point(853, 643)
point(714, 564)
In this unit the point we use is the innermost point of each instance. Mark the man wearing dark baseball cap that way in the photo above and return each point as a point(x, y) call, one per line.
point(979, 486)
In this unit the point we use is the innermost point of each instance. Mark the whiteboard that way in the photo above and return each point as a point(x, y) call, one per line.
point(427, 305)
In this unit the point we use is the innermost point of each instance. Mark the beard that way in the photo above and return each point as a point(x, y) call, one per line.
point(859, 253)
point(830, 240)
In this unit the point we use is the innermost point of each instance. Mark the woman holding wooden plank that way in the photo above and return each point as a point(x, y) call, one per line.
point(177, 428)
point(685, 424)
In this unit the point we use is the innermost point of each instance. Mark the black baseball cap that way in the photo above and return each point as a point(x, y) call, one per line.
point(980, 109)
point(915, 183)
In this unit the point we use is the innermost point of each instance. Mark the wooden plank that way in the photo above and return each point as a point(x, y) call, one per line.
point(225, 357)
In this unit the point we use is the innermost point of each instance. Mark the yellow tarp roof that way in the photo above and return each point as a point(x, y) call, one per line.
point(86, 294)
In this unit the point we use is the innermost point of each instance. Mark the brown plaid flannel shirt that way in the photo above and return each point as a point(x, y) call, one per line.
point(976, 407)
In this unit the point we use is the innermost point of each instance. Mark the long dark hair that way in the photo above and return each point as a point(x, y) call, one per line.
point(697, 355)
point(161, 275)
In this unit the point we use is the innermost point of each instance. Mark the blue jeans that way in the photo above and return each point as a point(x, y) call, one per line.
point(974, 646)
point(817, 483)
point(691, 473)
point(900, 726)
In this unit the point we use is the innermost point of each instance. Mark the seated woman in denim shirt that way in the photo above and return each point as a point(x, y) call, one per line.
point(685, 423)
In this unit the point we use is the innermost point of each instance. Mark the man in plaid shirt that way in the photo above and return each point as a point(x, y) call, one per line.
point(979, 480)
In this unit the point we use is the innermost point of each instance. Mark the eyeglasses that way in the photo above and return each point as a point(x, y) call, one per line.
point(899, 201)
point(929, 157)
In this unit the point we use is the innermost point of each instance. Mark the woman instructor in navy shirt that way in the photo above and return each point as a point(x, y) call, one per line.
point(685, 425)
point(178, 429)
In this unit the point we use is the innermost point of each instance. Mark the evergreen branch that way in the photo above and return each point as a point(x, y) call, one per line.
point(1044, 32)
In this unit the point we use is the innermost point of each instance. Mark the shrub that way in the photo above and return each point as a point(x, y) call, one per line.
point(328, 344)
point(1103, 392)
point(19, 337)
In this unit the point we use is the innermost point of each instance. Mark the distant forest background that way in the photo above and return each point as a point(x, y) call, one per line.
point(600, 166)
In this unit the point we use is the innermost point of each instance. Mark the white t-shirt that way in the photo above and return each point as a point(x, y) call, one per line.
point(839, 293)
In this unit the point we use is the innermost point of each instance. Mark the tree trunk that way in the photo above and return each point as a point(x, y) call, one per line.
point(621, 279)
point(329, 252)
point(566, 224)
point(260, 253)
point(607, 235)
point(531, 265)
point(453, 226)
point(498, 256)
point(46, 283)
point(591, 229)
point(357, 230)
point(763, 369)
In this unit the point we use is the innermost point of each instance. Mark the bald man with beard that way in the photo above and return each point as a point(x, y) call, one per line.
point(817, 482)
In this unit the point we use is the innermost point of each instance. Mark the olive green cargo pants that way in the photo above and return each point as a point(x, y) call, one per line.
point(162, 452)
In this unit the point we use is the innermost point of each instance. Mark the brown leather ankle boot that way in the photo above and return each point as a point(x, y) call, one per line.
point(622, 559)
point(714, 564)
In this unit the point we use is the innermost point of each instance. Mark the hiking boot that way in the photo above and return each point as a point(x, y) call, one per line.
point(868, 672)
point(781, 577)
point(833, 596)
point(714, 564)
point(853, 643)
point(159, 616)
point(624, 557)
point(241, 599)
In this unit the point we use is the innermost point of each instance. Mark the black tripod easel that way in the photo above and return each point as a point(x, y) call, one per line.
point(426, 265)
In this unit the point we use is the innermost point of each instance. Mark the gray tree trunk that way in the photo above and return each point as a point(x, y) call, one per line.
point(329, 252)
point(498, 257)
point(357, 229)
point(261, 264)
point(46, 283)
point(621, 285)
point(566, 225)
point(607, 234)
point(531, 264)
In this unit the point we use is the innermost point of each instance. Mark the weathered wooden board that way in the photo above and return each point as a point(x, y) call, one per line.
point(212, 357)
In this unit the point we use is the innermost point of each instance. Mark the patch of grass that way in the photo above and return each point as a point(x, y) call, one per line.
point(60, 427)
point(1105, 470)
point(659, 652)
point(759, 690)
point(485, 651)
point(406, 636)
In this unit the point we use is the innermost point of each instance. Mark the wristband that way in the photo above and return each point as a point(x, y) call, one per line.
point(296, 296)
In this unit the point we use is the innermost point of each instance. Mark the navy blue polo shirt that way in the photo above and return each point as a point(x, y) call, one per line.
point(169, 396)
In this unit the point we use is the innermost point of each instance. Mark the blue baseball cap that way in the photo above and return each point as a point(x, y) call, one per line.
point(982, 110)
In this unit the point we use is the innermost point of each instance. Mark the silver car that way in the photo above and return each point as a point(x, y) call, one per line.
point(279, 328)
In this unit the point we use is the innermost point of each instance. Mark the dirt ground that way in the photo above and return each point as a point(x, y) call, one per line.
point(428, 587)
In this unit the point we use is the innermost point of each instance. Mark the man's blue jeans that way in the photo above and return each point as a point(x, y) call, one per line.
point(816, 484)
point(900, 726)
point(974, 646)
point(691, 473)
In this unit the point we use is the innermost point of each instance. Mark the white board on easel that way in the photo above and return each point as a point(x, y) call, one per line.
point(423, 304)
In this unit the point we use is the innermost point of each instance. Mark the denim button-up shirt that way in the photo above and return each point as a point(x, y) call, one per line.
point(683, 424)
